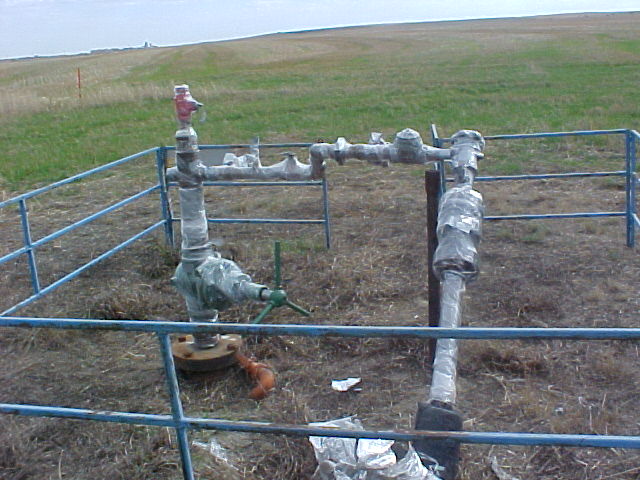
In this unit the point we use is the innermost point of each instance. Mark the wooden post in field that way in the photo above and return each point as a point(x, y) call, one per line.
point(79, 83)
point(432, 187)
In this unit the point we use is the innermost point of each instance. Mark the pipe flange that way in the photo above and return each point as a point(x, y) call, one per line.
point(189, 358)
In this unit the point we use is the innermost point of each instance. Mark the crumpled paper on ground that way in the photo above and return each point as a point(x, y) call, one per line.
point(363, 459)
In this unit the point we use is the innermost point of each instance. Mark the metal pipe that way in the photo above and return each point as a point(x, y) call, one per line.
point(556, 215)
point(495, 438)
point(620, 173)
point(406, 148)
point(165, 201)
point(230, 146)
point(352, 331)
point(630, 187)
point(443, 380)
point(455, 262)
point(577, 133)
point(208, 282)
point(291, 183)
point(26, 236)
point(177, 411)
point(326, 213)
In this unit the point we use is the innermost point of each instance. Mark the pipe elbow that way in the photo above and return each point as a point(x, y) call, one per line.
point(261, 373)
point(266, 382)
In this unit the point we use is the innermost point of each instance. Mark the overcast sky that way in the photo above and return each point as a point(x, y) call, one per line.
point(48, 27)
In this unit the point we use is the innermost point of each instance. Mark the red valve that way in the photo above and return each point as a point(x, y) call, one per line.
point(185, 104)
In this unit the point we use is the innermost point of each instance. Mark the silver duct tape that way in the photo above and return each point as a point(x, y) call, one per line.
point(406, 148)
point(288, 169)
point(443, 380)
point(459, 232)
point(194, 228)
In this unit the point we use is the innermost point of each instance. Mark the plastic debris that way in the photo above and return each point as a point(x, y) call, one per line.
point(346, 384)
point(363, 459)
point(217, 451)
point(499, 471)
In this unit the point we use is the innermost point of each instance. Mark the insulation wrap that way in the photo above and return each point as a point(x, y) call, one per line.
point(459, 232)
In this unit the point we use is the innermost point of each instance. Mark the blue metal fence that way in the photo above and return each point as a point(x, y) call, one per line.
point(631, 137)
point(183, 423)
point(29, 245)
point(162, 187)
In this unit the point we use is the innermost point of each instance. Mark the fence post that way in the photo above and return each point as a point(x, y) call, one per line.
point(440, 164)
point(327, 216)
point(167, 215)
point(630, 187)
point(176, 406)
point(432, 188)
point(26, 235)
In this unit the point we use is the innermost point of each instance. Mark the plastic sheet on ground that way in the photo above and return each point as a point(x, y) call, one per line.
point(217, 451)
point(363, 459)
point(346, 384)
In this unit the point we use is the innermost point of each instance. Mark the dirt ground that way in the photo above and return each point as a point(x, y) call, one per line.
point(537, 273)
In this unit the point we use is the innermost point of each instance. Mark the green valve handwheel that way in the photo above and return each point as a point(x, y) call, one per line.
point(278, 297)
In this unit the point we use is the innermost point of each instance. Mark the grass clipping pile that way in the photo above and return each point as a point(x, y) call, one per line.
point(574, 273)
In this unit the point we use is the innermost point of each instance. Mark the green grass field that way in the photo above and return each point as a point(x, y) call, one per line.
point(497, 76)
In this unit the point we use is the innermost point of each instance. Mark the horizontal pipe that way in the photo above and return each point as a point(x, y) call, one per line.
point(247, 145)
point(12, 255)
point(261, 220)
point(77, 177)
point(496, 438)
point(78, 271)
point(578, 133)
point(635, 134)
point(556, 215)
point(94, 216)
point(284, 183)
point(324, 330)
point(85, 414)
point(620, 173)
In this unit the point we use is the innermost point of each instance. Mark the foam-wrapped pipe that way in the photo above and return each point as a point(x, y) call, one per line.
point(208, 282)
point(407, 147)
point(288, 169)
point(459, 232)
point(456, 259)
point(443, 380)
point(455, 263)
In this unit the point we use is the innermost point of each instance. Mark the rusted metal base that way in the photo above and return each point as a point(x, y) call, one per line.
point(189, 358)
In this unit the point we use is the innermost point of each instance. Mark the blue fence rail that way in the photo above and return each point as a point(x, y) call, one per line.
point(183, 423)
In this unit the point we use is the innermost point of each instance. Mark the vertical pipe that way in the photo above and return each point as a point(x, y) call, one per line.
point(327, 216)
point(630, 186)
point(443, 383)
point(26, 236)
point(277, 276)
point(176, 406)
point(161, 164)
point(432, 188)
